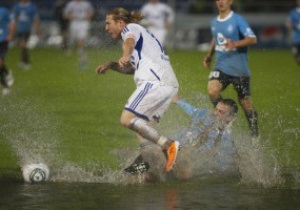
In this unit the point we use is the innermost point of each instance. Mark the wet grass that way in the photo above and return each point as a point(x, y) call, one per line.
point(81, 110)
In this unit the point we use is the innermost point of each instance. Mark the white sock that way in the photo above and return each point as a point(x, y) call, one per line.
point(146, 131)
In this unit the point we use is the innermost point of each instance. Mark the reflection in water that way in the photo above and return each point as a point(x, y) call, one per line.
point(174, 195)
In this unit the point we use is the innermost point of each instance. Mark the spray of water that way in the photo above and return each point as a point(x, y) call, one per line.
point(29, 132)
point(34, 137)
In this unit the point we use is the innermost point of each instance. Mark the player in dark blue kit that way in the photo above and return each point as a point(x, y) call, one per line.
point(231, 37)
point(293, 24)
point(7, 29)
point(26, 16)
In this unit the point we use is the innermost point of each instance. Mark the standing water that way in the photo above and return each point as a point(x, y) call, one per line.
point(255, 182)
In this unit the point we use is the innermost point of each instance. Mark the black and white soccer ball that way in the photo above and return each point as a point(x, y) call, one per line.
point(35, 172)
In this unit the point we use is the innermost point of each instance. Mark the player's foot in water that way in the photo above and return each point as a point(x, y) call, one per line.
point(172, 152)
point(138, 166)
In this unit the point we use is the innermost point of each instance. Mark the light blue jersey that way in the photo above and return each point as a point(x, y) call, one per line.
point(203, 130)
point(294, 19)
point(234, 27)
point(4, 23)
point(24, 14)
point(202, 126)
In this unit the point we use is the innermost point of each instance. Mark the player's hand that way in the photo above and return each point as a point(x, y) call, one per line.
point(123, 61)
point(207, 61)
point(102, 68)
point(230, 45)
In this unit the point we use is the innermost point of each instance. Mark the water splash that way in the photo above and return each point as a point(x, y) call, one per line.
point(257, 163)
point(34, 137)
point(29, 132)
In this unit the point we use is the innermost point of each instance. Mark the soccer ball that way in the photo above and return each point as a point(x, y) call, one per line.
point(35, 172)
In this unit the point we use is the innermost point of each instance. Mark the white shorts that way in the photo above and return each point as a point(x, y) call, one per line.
point(79, 30)
point(151, 100)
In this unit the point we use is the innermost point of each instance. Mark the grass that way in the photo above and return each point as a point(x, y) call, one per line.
point(77, 112)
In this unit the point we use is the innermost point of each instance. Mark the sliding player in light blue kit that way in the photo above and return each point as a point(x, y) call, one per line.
point(231, 37)
point(208, 133)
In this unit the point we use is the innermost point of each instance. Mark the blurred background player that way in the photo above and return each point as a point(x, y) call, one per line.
point(154, 77)
point(7, 30)
point(62, 22)
point(293, 25)
point(158, 19)
point(80, 14)
point(25, 14)
point(231, 37)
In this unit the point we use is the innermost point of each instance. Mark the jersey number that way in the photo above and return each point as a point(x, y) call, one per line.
point(214, 74)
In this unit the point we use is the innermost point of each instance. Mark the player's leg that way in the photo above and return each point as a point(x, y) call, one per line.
point(251, 114)
point(242, 86)
point(296, 52)
point(82, 57)
point(3, 69)
point(215, 87)
point(140, 163)
point(24, 53)
point(82, 33)
point(150, 102)
point(64, 33)
point(143, 128)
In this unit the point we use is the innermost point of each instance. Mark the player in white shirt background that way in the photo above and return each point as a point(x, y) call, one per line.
point(80, 14)
point(158, 19)
point(156, 83)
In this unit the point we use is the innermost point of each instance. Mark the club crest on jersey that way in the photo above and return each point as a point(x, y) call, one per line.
point(221, 39)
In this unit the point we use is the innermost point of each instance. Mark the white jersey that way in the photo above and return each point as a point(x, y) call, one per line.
point(157, 15)
point(79, 10)
point(148, 57)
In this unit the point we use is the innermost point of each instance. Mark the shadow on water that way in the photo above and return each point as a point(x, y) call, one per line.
point(251, 179)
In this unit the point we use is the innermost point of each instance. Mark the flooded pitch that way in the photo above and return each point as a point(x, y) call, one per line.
point(252, 179)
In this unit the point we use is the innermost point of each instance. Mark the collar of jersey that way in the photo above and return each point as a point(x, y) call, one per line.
point(224, 19)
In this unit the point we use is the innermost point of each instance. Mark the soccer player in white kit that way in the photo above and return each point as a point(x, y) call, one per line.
point(158, 19)
point(156, 82)
point(79, 13)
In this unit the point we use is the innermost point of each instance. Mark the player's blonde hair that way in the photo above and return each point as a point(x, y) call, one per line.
point(123, 14)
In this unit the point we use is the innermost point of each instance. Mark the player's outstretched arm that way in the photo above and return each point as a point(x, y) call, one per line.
point(208, 58)
point(231, 45)
point(127, 69)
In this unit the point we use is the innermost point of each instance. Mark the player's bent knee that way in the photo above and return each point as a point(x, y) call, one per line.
point(124, 122)
point(126, 118)
point(213, 93)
